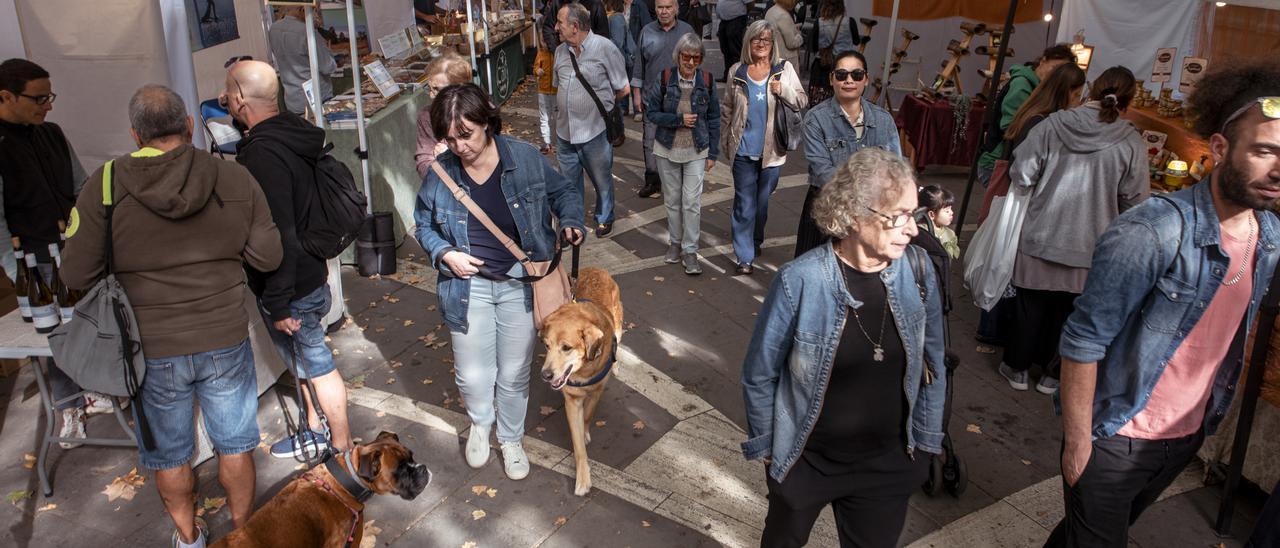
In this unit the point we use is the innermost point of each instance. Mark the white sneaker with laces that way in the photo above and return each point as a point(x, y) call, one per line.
point(72, 427)
point(477, 446)
point(514, 461)
point(98, 404)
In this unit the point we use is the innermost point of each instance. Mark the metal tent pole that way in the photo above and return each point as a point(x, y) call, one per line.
point(992, 122)
point(488, 54)
point(471, 42)
point(316, 99)
point(363, 152)
point(888, 48)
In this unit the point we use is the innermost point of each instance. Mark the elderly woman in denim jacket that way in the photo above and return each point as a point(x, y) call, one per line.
point(839, 409)
point(485, 302)
point(837, 128)
point(684, 108)
point(762, 82)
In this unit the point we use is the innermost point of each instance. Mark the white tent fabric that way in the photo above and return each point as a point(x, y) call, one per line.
point(10, 32)
point(1128, 33)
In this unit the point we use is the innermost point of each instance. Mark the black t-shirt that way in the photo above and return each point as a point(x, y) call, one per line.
point(864, 409)
point(484, 245)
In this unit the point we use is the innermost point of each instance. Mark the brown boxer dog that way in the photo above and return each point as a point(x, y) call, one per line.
point(324, 507)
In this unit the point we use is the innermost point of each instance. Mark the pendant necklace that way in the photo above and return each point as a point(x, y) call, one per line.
point(877, 350)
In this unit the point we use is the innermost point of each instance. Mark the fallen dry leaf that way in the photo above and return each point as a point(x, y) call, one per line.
point(469, 544)
point(491, 492)
point(601, 423)
point(212, 505)
point(28, 461)
point(391, 380)
point(648, 293)
point(638, 425)
point(659, 279)
point(539, 429)
point(393, 300)
point(631, 325)
point(645, 523)
point(427, 381)
point(477, 515)
point(1026, 462)
point(408, 323)
point(380, 414)
point(47, 507)
point(546, 410)
point(973, 428)
point(479, 489)
point(431, 308)
point(124, 487)
point(371, 531)
point(561, 521)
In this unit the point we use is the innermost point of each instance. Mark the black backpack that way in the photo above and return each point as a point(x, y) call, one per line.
point(329, 222)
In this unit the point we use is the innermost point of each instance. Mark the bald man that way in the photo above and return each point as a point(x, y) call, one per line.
point(280, 149)
point(288, 40)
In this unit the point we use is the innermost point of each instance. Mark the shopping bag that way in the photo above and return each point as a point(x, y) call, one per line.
point(988, 263)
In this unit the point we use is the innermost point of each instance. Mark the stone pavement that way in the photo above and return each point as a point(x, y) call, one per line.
point(666, 466)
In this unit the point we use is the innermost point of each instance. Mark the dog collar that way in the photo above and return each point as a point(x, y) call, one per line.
point(608, 366)
point(346, 475)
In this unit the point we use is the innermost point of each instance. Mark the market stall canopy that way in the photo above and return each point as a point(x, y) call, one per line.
point(1266, 4)
point(986, 11)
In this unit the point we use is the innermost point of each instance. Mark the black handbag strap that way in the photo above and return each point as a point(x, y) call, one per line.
point(591, 91)
point(108, 201)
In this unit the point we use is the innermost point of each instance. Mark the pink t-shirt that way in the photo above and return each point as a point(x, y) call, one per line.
point(1176, 408)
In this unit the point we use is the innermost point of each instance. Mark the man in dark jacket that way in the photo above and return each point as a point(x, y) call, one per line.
point(280, 150)
point(183, 224)
point(41, 176)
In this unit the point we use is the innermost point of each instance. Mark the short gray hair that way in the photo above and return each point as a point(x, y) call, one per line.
point(871, 178)
point(689, 43)
point(156, 112)
point(756, 29)
point(579, 15)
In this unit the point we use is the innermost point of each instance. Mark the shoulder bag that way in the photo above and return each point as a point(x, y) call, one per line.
point(612, 118)
point(788, 123)
point(550, 282)
point(101, 348)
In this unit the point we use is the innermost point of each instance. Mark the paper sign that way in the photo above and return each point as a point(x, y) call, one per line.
point(308, 89)
point(1193, 68)
point(1155, 141)
point(394, 45)
point(1162, 70)
point(415, 39)
point(381, 78)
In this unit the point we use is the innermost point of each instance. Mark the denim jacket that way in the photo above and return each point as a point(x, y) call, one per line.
point(660, 107)
point(791, 354)
point(1154, 272)
point(534, 191)
point(829, 139)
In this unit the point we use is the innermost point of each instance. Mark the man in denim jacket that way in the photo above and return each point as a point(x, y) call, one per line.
point(1146, 373)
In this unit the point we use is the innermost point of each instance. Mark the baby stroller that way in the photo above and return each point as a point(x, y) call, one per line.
point(946, 471)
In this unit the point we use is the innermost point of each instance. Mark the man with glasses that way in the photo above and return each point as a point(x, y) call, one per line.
point(835, 129)
point(654, 55)
point(1153, 352)
point(41, 176)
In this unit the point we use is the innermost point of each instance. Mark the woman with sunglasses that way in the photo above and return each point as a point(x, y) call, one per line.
point(844, 379)
point(761, 83)
point(837, 128)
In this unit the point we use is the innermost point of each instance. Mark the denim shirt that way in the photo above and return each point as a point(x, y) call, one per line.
point(534, 191)
point(660, 107)
point(791, 355)
point(829, 138)
point(1155, 271)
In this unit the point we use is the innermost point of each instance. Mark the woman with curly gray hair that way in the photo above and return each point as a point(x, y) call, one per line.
point(838, 408)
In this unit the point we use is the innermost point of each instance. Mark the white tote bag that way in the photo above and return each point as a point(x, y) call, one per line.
point(988, 263)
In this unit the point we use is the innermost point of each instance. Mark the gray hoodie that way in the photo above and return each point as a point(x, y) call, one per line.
point(1082, 173)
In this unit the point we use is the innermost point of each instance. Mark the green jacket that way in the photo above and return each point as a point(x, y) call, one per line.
point(1022, 80)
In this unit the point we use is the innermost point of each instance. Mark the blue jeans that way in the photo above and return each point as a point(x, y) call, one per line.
point(314, 359)
point(596, 157)
point(752, 186)
point(682, 195)
point(492, 359)
point(225, 384)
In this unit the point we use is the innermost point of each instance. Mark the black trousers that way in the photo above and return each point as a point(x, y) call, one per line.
point(731, 33)
point(1038, 320)
point(870, 502)
point(1123, 477)
point(807, 234)
point(1267, 531)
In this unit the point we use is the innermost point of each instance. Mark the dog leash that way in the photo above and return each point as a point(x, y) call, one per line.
point(355, 514)
point(309, 457)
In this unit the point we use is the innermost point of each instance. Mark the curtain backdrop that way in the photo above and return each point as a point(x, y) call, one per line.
point(989, 11)
point(1128, 33)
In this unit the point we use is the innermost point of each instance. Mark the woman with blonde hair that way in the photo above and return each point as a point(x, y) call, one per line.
point(442, 72)
point(844, 379)
point(761, 83)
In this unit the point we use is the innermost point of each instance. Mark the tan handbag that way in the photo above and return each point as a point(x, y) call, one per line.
point(550, 282)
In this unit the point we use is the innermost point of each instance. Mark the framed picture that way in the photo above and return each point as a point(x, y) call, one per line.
point(211, 22)
point(1083, 55)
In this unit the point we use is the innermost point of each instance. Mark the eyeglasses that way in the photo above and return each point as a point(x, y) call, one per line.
point(41, 99)
point(684, 58)
point(841, 74)
point(895, 221)
point(224, 101)
point(237, 59)
point(761, 40)
point(1270, 109)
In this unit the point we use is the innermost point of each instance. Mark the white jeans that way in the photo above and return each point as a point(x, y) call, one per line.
point(546, 110)
point(492, 358)
point(682, 194)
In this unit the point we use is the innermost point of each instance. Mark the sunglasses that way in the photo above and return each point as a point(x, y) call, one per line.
point(1270, 109)
point(237, 59)
point(841, 75)
point(690, 58)
point(41, 99)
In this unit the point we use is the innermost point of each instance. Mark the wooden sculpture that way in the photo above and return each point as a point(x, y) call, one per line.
point(957, 49)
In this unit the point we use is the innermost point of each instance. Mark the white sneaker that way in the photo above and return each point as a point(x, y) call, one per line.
point(72, 427)
point(1017, 379)
point(477, 446)
point(100, 404)
point(514, 461)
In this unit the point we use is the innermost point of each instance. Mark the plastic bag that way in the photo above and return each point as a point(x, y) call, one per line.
point(988, 263)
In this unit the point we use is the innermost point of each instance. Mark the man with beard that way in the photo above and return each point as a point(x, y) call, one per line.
point(1153, 352)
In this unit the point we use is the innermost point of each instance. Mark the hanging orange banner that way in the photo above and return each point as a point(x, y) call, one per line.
point(987, 11)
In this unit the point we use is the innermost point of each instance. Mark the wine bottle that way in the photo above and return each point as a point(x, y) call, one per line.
point(44, 311)
point(61, 295)
point(74, 295)
point(20, 283)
